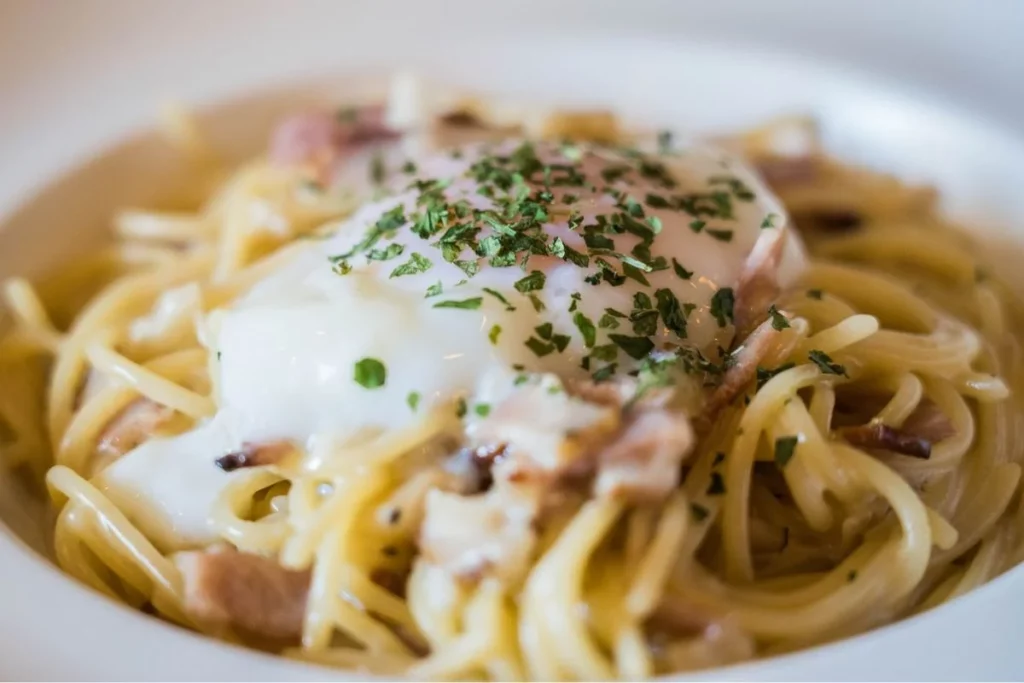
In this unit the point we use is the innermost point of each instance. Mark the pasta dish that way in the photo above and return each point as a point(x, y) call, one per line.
point(448, 388)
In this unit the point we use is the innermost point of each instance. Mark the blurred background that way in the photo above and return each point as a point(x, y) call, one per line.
point(95, 68)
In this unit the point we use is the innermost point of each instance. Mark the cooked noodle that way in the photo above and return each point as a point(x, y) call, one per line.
point(841, 539)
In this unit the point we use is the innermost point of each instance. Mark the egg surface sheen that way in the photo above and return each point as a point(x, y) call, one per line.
point(483, 262)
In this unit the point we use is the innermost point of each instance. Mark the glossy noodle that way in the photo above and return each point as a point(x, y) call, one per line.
point(848, 458)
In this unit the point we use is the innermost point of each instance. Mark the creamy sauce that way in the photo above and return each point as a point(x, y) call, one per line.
point(289, 349)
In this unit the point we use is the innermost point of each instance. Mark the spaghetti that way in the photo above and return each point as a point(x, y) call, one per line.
point(849, 459)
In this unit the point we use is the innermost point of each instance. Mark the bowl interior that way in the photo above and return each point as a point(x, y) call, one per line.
point(978, 167)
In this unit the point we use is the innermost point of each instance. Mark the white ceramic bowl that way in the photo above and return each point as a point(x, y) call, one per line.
point(70, 157)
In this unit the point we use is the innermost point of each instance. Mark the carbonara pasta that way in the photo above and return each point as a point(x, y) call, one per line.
point(466, 392)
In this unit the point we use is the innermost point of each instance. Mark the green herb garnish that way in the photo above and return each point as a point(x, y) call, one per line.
point(826, 364)
point(785, 447)
point(531, 283)
point(391, 251)
point(635, 347)
point(722, 304)
point(468, 304)
point(683, 273)
point(779, 321)
point(417, 263)
point(370, 373)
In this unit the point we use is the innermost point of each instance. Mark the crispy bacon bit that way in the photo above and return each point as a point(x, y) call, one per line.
point(319, 140)
point(643, 462)
point(132, 426)
point(884, 437)
point(255, 455)
point(758, 284)
point(747, 357)
point(928, 422)
point(250, 593)
point(830, 221)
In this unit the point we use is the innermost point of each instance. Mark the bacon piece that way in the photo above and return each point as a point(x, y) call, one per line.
point(613, 394)
point(319, 140)
point(643, 462)
point(244, 591)
point(884, 437)
point(548, 433)
point(928, 422)
point(747, 358)
point(131, 427)
point(255, 455)
point(758, 285)
point(469, 536)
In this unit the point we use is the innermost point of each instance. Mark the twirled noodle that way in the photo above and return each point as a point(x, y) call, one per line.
point(868, 471)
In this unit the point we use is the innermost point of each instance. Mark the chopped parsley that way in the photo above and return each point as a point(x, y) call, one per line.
point(769, 221)
point(815, 293)
point(785, 447)
point(720, 235)
point(417, 263)
point(763, 374)
point(470, 268)
point(586, 327)
point(370, 373)
point(683, 273)
point(393, 250)
point(460, 408)
point(779, 321)
point(434, 289)
point(851, 576)
point(494, 334)
point(468, 304)
point(531, 283)
point(635, 347)
point(539, 348)
point(671, 311)
point(826, 364)
point(500, 297)
point(482, 409)
point(413, 399)
point(722, 304)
